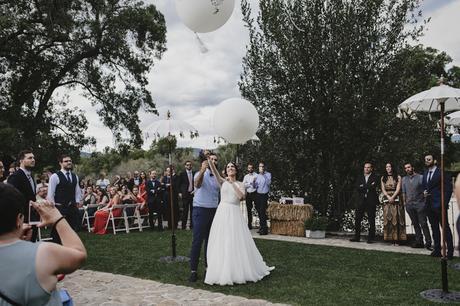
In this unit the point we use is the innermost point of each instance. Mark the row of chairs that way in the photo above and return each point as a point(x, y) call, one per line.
point(123, 223)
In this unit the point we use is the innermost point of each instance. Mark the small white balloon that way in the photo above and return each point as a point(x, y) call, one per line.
point(236, 120)
point(203, 16)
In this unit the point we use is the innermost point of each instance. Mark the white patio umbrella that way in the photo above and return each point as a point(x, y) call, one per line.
point(439, 98)
point(453, 119)
point(171, 127)
point(167, 128)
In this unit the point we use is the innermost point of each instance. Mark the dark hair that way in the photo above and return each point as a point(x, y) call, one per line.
point(12, 203)
point(408, 163)
point(23, 153)
point(394, 174)
point(368, 162)
point(250, 164)
point(62, 156)
point(234, 164)
point(432, 155)
point(187, 161)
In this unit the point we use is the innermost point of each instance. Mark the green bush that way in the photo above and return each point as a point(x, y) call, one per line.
point(316, 223)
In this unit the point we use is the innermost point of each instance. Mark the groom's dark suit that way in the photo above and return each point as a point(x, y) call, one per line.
point(367, 202)
point(432, 185)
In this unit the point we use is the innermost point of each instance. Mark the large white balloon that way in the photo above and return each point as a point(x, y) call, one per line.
point(236, 120)
point(204, 16)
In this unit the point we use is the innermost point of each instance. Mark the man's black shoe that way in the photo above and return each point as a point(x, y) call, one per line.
point(355, 239)
point(265, 232)
point(370, 241)
point(258, 231)
point(428, 247)
point(450, 257)
point(193, 277)
point(417, 246)
point(435, 254)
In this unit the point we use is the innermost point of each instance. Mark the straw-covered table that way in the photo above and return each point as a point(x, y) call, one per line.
point(288, 219)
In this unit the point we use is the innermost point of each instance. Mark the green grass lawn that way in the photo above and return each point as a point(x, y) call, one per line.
point(304, 274)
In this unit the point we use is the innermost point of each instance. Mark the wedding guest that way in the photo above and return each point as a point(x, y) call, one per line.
point(42, 193)
point(102, 197)
point(457, 195)
point(29, 271)
point(394, 225)
point(22, 180)
point(154, 200)
point(414, 201)
point(43, 180)
point(170, 178)
point(366, 186)
point(90, 199)
point(136, 180)
point(143, 208)
point(102, 215)
point(64, 189)
point(186, 189)
point(2, 171)
point(102, 182)
point(142, 185)
point(262, 184)
point(432, 193)
point(251, 193)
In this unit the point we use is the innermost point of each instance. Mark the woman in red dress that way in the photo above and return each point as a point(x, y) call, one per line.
point(101, 216)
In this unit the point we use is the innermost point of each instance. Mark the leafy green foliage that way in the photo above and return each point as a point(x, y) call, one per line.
point(102, 49)
point(316, 223)
point(326, 78)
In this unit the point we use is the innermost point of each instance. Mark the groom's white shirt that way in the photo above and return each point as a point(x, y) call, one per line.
point(207, 195)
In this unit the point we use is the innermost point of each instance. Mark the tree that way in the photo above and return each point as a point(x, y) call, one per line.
point(327, 77)
point(102, 48)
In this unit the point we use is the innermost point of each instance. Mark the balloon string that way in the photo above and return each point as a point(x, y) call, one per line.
point(203, 48)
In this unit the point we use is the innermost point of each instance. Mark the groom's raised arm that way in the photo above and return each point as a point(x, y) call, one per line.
point(199, 178)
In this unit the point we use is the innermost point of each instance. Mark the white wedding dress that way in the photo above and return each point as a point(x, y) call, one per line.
point(232, 255)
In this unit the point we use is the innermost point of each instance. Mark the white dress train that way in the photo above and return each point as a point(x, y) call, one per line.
point(232, 255)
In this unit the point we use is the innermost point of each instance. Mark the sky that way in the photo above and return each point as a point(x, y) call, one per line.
point(191, 84)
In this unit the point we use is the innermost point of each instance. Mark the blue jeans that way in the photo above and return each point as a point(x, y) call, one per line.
point(202, 221)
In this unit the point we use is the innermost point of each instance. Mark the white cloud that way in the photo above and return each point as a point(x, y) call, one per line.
point(442, 32)
point(190, 83)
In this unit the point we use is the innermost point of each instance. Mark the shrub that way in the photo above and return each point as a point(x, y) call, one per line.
point(316, 223)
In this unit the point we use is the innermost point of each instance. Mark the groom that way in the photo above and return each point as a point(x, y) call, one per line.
point(205, 204)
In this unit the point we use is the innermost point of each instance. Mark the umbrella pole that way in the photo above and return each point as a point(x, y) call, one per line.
point(445, 286)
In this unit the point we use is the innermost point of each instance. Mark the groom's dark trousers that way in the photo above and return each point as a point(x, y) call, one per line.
point(202, 221)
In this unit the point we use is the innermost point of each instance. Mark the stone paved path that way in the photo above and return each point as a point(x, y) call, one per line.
point(345, 243)
point(98, 288)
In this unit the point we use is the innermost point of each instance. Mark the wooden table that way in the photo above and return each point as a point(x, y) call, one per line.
point(288, 219)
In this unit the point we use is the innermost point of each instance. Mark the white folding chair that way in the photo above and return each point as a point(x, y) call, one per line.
point(111, 220)
point(86, 217)
point(134, 217)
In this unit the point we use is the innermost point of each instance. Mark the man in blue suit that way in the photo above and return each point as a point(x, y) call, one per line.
point(432, 193)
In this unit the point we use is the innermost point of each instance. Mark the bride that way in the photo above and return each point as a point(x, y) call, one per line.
point(232, 255)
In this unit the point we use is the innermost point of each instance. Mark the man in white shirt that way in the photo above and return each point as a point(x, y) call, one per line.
point(250, 192)
point(63, 189)
point(102, 182)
